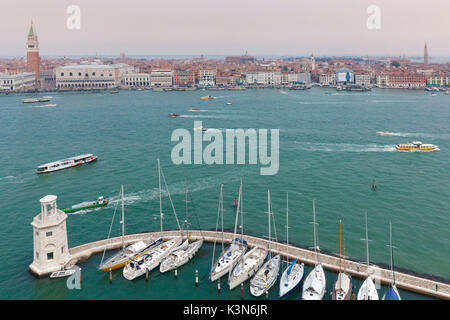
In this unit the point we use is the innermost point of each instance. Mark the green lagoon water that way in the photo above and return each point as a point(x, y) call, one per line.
point(329, 150)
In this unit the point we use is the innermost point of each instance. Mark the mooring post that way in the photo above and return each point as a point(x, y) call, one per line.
point(176, 273)
point(242, 291)
point(80, 275)
point(218, 285)
point(110, 275)
point(196, 277)
point(146, 274)
point(267, 294)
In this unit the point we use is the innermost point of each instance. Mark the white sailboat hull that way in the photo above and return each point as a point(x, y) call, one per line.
point(315, 284)
point(342, 288)
point(180, 257)
point(227, 260)
point(289, 281)
point(150, 260)
point(266, 277)
point(368, 291)
point(252, 261)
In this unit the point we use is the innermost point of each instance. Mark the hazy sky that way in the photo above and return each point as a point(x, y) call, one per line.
point(263, 27)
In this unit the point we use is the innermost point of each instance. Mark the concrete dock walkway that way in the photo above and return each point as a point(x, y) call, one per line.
point(404, 281)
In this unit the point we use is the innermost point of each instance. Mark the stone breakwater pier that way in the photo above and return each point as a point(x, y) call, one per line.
point(403, 280)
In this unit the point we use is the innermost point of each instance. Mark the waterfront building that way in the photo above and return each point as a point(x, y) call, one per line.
point(136, 80)
point(263, 78)
point(33, 59)
point(224, 78)
point(50, 249)
point(304, 77)
point(86, 76)
point(207, 77)
point(425, 54)
point(161, 78)
point(327, 79)
point(345, 76)
point(21, 82)
point(184, 77)
point(362, 79)
point(439, 80)
point(406, 80)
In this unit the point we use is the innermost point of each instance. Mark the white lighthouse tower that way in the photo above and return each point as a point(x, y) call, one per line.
point(51, 251)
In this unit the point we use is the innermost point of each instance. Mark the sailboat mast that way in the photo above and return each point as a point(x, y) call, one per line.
point(186, 199)
point(242, 213)
point(268, 212)
point(314, 225)
point(340, 254)
point(392, 253)
point(287, 228)
point(160, 197)
point(237, 214)
point(367, 244)
point(221, 212)
point(123, 222)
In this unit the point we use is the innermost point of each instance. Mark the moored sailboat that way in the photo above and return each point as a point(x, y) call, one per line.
point(150, 260)
point(392, 293)
point(185, 252)
point(126, 253)
point(248, 264)
point(228, 258)
point(343, 286)
point(367, 291)
point(315, 283)
point(293, 273)
point(266, 277)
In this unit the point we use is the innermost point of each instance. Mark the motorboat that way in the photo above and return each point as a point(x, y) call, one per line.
point(100, 202)
point(416, 146)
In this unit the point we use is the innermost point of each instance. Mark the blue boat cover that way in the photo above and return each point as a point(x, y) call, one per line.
point(290, 267)
point(391, 295)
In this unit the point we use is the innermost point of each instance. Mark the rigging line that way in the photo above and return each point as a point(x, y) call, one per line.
point(109, 233)
point(170, 198)
point(273, 220)
point(217, 227)
point(195, 214)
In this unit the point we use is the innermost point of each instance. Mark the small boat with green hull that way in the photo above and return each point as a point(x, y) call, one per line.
point(101, 202)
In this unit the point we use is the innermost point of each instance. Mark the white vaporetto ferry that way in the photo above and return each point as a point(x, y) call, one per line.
point(66, 163)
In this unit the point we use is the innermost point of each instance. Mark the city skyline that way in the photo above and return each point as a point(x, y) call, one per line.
point(325, 29)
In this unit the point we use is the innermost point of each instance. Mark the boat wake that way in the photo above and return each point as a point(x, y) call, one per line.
point(201, 116)
point(344, 147)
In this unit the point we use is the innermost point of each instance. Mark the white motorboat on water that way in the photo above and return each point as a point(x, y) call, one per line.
point(293, 273)
point(367, 291)
point(315, 283)
point(247, 266)
point(126, 253)
point(385, 133)
point(266, 277)
point(62, 273)
point(229, 257)
point(343, 286)
point(180, 256)
point(66, 163)
point(392, 293)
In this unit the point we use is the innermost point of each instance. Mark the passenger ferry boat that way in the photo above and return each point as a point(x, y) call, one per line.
point(66, 163)
point(416, 146)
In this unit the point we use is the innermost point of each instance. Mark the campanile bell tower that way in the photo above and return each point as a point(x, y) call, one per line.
point(33, 59)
